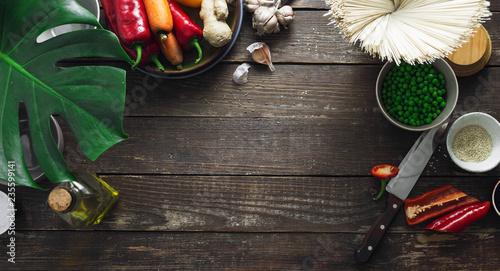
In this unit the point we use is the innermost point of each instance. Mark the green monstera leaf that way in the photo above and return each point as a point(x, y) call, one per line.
point(90, 99)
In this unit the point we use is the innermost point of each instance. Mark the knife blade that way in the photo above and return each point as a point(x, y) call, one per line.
point(400, 187)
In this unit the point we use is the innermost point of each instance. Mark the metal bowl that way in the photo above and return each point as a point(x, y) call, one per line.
point(30, 159)
point(90, 5)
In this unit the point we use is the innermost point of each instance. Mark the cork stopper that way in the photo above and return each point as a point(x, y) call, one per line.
point(60, 199)
point(473, 55)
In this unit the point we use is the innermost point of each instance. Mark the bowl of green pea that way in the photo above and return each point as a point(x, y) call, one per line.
point(417, 97)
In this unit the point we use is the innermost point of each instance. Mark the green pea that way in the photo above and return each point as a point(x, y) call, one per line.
point(413, 94)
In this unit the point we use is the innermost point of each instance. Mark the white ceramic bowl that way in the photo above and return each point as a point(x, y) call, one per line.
point(495, 198)
point(90, 5)
point(451, 96)
point(491, 125)
point(5, 211)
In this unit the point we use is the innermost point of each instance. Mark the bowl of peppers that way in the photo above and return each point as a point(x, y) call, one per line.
point(174, 39)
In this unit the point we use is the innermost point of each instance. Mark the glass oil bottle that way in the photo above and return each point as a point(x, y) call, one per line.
point(85, 202)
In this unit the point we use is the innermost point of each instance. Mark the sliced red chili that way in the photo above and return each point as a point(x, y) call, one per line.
point(459, 219)
point(435, 203)
point(384, 171)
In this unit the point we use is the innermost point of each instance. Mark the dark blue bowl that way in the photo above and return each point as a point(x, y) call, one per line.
point(211, 55)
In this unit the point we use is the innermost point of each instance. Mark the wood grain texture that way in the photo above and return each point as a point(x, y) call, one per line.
point(42, 250)
point(270, 175)
point(310, 39)
point(248, 204)
point(292, 91)
point(290, 131)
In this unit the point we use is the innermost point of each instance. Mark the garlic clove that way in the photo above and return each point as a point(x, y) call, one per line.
point(240, 75)
point(264, 20)
point(251, 5)
point(261, 54)
point(285, 15)
point(272, 26)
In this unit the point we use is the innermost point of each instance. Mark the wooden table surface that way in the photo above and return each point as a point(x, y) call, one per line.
point(270, 175)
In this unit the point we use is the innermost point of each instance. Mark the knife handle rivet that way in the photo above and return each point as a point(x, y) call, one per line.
point(382, 227)
point(370, 248)
point(395, 206)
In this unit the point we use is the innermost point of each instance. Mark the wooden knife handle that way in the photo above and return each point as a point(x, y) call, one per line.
point(378, 229)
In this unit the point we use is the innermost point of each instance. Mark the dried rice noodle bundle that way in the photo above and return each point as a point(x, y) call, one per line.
point(416, 31)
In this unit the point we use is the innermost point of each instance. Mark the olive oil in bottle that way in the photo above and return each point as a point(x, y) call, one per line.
point(83, 203)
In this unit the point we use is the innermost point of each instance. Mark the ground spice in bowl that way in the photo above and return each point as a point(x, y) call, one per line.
point(472, 144)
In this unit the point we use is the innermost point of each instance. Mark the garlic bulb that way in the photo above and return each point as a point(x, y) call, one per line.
point(240, 75)
point(261, 54)
point(285, 15)
point(265, 21)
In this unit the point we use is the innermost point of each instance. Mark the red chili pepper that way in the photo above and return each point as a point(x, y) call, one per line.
point(109, 12)
point(150, 51)
point(188, 33)
point(132, 24)
point(435, 203)
point(384, 173)
point(458, 220)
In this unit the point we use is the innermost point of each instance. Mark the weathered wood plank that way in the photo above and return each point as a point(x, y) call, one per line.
point(247, 204)
point(310, 39)
point(252, 146)
point(42, 250)
point(317, 91)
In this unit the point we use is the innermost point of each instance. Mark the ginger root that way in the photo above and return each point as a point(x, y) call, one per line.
point(215, 29)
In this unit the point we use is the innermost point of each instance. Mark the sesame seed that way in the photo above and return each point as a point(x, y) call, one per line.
point(472, 144)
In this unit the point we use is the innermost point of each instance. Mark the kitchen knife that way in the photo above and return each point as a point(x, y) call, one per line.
point(400, 187)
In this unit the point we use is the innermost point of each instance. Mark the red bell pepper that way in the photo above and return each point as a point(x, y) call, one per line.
point(435, 203)
point(109, 12)
point(188, 33)
point(384, 173)
point(149, 52)
point(458, 220)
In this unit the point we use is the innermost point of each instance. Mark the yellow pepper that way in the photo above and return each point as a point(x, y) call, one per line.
point(190, 3)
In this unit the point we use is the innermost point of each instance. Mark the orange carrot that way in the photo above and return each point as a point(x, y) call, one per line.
point(172, 50)
point(159, 16)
